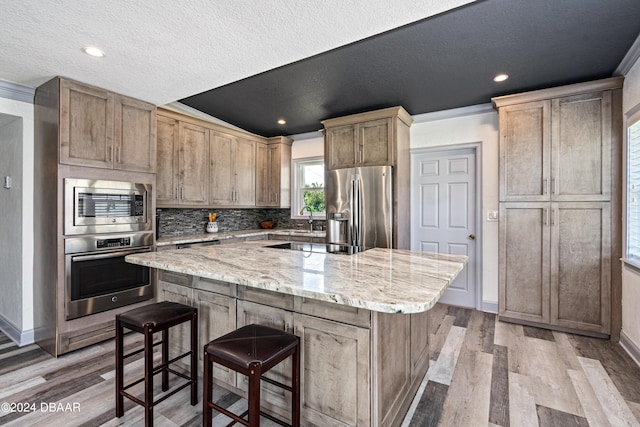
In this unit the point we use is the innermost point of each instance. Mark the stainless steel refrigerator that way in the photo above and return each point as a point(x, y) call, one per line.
point(359, 206)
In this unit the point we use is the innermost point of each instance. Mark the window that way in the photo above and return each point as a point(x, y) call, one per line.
point(308, 188)
point(633, 190)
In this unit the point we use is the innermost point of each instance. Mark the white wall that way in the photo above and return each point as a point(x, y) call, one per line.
point(477, 124)
point(630, 276)
point(16, 288)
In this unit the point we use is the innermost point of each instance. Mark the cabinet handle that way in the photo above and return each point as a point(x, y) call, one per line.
point(553, 217)
point(545, 216)
point(176, 193)
point(545, 183)
point(119, 156)
point(181, 192)
point(553, 186)
point(111, 153)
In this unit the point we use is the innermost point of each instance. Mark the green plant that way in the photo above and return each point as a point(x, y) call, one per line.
point(314, 198)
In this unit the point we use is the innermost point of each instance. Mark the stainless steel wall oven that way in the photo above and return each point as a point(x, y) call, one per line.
point(97, 278)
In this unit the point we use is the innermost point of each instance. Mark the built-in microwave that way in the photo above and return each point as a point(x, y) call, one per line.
point(101, 206)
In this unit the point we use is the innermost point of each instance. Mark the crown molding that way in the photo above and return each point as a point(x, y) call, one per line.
point(16, 91)
point(454, 113)
point(629, 59)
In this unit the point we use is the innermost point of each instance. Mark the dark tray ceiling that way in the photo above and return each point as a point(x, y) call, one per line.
point(443, 62)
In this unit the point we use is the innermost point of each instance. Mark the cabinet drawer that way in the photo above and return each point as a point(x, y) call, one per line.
point(338, 313)
point(210, 285)
point(177, 278)
point(260, 296)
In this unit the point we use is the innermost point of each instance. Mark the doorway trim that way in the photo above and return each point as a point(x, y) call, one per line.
point(477, 149)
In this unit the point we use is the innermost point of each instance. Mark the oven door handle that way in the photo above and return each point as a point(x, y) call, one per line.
point(107, 255)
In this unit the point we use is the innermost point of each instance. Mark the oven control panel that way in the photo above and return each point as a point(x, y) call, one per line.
point(113, 243)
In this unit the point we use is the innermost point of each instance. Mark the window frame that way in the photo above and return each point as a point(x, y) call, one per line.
point(632, 119)
point(296, 194)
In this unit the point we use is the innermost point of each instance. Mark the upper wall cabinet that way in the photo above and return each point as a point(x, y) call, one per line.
point(556, 149)
point(101, 129)
point(233, 170)
point(273, 169)
point(201, 163)
point(366, 139)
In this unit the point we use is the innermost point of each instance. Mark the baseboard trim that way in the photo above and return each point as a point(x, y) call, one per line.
point(21, 338)
point(630, 347)
point(490, 307)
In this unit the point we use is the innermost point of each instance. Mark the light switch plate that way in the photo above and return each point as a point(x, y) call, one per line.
point(492, 215)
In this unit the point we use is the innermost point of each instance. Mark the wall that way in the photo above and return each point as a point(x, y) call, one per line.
point(16, 211)
point(631, 276)
point(476, 124)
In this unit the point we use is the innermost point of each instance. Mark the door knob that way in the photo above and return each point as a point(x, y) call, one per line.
point(472, 237)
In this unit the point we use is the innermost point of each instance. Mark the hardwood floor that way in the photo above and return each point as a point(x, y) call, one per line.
point(483, 373)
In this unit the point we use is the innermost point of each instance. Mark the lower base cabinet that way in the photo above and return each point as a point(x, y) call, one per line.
point(358, 367)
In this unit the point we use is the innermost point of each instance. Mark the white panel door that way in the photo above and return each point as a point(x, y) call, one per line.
point(443, 200)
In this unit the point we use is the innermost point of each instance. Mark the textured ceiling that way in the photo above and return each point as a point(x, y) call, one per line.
point(164, 50)
point(446, 61)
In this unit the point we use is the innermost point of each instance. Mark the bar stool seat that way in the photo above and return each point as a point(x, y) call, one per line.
point(147, 320)
point(252, 350)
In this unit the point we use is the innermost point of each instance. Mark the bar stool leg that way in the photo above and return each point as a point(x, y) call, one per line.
point(165, 359)
point(194, 359)
point(148, 376)
point(295, 377)
point(119, 368)
point(254, 394)
point(206, 395)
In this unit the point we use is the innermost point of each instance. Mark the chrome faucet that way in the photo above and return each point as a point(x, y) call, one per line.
point(310, 216)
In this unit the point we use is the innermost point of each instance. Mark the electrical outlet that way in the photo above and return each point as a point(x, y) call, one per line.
point(7, 182)
point(492, 215)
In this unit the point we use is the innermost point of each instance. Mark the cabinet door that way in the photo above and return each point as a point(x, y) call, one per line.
point(135, 135)
point(341, 143)
point(221, 185)
point(167, 178)
point(194, 164)
point(581, 265)
point(263, 166)
point(335, 362)
point(525, 139)
point(524, 261)
point(86, 125)
point(248, 313)
point(375, 140)
point(581, 148)
point(244, 172)
point(179, 335)
point(217, 316)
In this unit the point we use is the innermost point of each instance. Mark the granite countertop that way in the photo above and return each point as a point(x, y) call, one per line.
point(383, 280)
point(208, 237)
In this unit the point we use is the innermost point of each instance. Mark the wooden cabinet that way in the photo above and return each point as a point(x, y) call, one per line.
point(273, 169)
point(559, 155)
point(168, 176)
point(334, 353)
point(102, 129)
point(556, 149)
point(367, 143)
point(233, 166)
point(183, 169)
point(194, 164)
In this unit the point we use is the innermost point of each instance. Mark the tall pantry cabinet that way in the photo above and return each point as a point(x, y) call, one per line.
point(560, 207)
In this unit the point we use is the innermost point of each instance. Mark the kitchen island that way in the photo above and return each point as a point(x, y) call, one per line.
point(362, 319)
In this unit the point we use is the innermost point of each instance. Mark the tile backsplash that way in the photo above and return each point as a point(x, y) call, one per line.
point(177, 221)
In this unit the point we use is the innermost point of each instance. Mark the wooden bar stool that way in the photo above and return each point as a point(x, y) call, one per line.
point(147, 320)
point(252, 350)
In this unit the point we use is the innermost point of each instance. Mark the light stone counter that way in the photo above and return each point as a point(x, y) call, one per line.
point(227, 235)
point(381, 280)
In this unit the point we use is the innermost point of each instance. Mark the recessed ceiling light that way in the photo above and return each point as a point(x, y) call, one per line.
point(93, 51)
point(501, 77)
point(282, 122)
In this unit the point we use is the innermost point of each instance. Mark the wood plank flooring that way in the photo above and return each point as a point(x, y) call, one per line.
point(482, 373)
